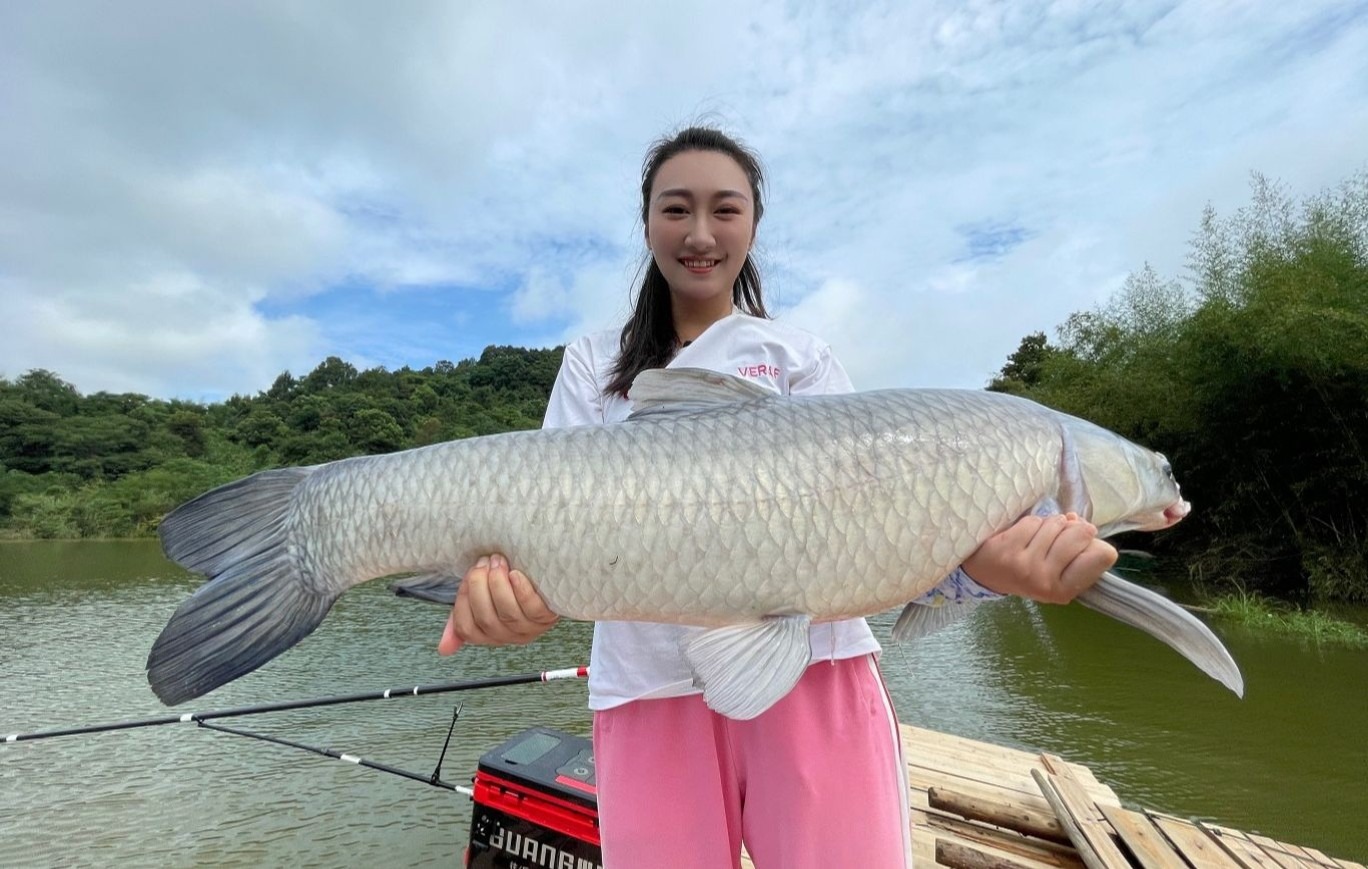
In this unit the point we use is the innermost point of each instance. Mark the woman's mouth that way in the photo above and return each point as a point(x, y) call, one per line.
point(699, 266)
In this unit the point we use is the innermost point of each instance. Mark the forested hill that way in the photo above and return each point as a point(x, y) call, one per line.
point(74, 465)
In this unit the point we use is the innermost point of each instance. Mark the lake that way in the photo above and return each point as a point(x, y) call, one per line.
point(77, 618)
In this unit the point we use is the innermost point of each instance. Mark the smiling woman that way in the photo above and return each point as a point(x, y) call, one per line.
point(650, 340)
point(700, 229)
point(680, 771)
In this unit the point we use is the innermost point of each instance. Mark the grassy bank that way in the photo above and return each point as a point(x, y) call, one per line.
point(1267, 615)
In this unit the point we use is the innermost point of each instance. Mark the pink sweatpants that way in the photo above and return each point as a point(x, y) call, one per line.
point(816, 781)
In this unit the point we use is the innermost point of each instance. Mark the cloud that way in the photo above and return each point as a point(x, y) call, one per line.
point(198, 197)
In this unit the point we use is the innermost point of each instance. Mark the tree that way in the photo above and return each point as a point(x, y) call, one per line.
point(46, 391)
point(1025, 366)
point(260, 428)
point(189, 427)
point(332, 373)
point(375, 431)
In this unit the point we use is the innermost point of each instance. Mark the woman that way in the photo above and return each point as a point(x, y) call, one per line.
point(819, 776)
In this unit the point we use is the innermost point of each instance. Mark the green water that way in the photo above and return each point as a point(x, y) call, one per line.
point(76, 620)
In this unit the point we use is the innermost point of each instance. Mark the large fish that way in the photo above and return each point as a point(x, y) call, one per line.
point(718, 504)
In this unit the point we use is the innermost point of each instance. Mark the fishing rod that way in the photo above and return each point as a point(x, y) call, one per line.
point(387, 694)
point(435, 779)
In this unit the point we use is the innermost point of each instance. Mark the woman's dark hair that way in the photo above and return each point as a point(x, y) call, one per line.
point(648, 338)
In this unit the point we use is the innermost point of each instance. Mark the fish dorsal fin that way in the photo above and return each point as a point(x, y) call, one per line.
point(658, 391)
point(745, 669)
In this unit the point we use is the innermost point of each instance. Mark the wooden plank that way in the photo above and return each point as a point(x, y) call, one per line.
point(1146, 843)
point(1287, 856)
point(1318, 858)
point(964, 779)
point(924, 781)
point(1309, 854)
point(1198, 848)
point(1015, 800)
point(1065, 773)
point(957, 856)
point(961, 755)
point(1012, 814)
point(1093, 844)
point(1014, 780)
point(1010, 758)
point(923, 851)
point(952, 776)
point(1238, 845)
point(922, 736)
point(1036, 851)
point(1074, 775)
point(919, 747)
point(1008, 769)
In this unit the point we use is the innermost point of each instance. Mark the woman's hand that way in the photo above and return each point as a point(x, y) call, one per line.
point(1051, 559)
point(495, 606)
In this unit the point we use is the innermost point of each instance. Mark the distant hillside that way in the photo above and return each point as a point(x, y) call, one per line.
point(107, 465)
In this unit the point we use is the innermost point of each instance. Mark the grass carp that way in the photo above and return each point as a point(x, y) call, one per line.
point(718, 504)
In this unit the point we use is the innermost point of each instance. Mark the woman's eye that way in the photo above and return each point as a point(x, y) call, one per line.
point(675, 209)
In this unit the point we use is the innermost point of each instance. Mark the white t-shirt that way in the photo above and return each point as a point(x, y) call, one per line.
point(641, 660)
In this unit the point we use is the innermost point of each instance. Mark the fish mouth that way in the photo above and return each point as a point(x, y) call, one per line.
point(1174, 513)
point(1156, 521)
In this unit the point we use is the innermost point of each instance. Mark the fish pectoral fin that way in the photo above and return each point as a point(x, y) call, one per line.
point(1073, 488)
point(745, 669)
point(666, 391)
point(1164, 620)
point(917, 620)
point(439, 588)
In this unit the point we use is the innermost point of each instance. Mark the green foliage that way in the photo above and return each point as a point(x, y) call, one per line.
point(113, 465)
point(1026, 366)
point(1270, 616)
point(1252, 376)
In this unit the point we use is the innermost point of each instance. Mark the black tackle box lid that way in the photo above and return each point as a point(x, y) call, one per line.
point(548, 760)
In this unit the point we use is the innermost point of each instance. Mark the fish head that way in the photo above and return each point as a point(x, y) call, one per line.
point(1128, 487)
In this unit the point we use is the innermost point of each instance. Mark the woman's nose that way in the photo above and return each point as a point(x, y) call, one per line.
point(700, 235)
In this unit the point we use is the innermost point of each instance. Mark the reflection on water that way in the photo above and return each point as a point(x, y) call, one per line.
point(76, 621)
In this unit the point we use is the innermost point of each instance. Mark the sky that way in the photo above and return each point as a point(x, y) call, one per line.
point(195, 197)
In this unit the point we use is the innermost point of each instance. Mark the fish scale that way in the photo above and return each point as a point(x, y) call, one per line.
point(718, 505)
point(646, 516)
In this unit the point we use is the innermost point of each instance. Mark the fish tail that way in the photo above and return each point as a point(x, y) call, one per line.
point(256, 603)
point(1164, 620)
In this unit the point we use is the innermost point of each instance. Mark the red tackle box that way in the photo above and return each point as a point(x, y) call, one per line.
point(536, 805)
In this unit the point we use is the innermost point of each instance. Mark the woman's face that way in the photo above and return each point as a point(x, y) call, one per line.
point(700, 225)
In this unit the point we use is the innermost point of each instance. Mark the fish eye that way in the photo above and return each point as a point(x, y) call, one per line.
point(1167, 468)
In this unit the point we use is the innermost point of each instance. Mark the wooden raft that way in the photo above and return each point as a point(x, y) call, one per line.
point(981, 806)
